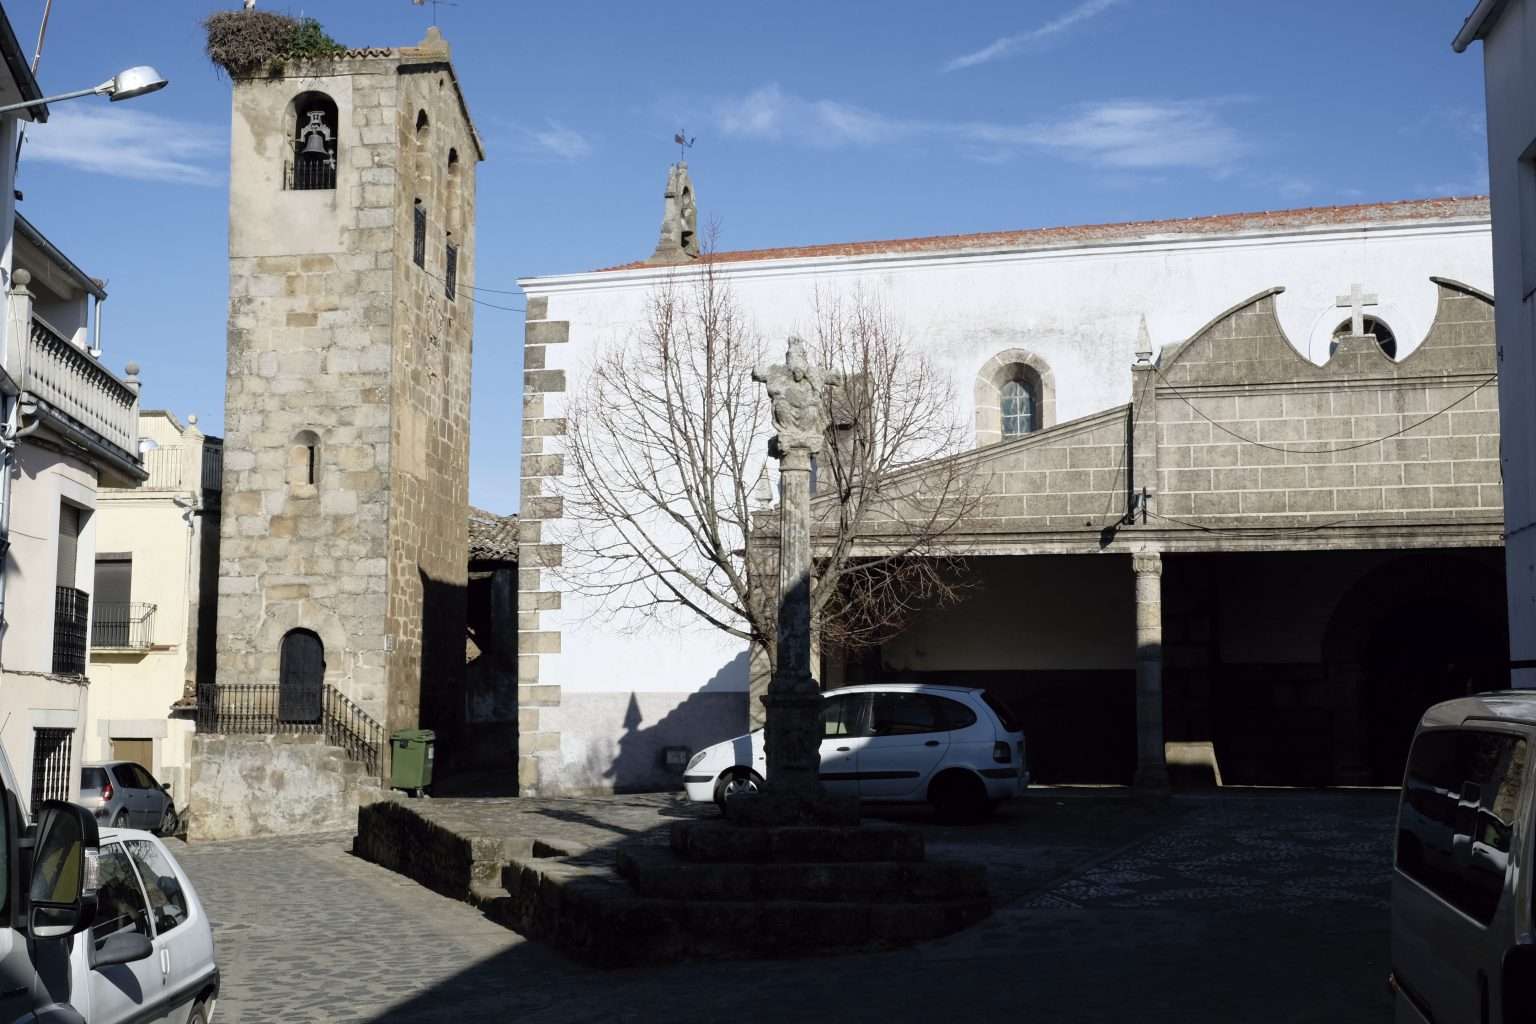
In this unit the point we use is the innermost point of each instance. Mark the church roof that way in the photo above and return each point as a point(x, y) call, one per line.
point(1403, 211)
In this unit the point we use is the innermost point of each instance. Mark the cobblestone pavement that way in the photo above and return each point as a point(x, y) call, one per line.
point(1246, 907)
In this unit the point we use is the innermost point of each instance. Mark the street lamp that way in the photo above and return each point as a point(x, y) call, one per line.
point(125, 85)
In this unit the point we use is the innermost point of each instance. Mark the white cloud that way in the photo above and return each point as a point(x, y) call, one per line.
point(769, 114)
point(560, 141)
point(1005, 45)
point(128, 143)
point(1123, 135)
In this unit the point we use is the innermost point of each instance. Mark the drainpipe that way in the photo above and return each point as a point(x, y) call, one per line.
point(96, 328)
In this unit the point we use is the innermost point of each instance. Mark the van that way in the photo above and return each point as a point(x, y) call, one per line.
point(1463, 948)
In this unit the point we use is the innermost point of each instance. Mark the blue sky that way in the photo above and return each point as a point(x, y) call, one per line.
point(815, 121)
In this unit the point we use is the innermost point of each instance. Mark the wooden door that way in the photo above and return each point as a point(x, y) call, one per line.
point(139, 751)
point(301, 677)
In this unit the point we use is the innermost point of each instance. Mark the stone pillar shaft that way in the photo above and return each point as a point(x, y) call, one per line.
point(793, 737)
point(1151, 765)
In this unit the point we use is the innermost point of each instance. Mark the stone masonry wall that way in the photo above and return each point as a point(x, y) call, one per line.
point(538, 703)
point(310, 339)
point(273, 785)
point(430, 390)
point(1241, 379)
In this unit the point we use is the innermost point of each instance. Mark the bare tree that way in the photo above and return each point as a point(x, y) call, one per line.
point(667, 447)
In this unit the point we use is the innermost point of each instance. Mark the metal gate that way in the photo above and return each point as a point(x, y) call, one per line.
point(50, 766)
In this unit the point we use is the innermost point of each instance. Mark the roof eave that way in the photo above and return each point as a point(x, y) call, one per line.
point(1478, 23)
point(16, 64)
point(87, 283)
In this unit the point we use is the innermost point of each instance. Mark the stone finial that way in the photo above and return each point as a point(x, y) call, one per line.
point(191, 419)
point(679, 241)
point(433, 44)
point(20, 278)
point(1143, 343)
point(131, 377)
point(762, 491)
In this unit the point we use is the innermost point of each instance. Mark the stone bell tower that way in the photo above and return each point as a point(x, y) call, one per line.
point(346, 467)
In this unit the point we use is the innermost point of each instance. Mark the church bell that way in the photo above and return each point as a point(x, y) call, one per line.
point(314, 145)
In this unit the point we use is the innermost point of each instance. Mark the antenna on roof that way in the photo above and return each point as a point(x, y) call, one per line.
point(684, 143)
point(435, 5)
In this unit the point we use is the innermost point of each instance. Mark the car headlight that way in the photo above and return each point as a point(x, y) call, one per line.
point(693, 762)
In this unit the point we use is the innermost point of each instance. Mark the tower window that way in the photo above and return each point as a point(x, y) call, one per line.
point(304, 464)
point(313, 163)
point(1385, 339)
point(451, 271)
point(419, 250)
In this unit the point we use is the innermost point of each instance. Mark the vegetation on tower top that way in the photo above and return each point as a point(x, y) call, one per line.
point(244, 42)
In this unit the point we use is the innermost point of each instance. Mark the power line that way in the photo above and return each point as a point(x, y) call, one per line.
point(1247, 529)
point(1322, 451)
point(471, 298)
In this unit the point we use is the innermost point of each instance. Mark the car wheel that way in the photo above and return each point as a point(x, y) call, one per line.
point(737, 782)
point(959, 797)
point(199, 1014)
point(120, 819)
point(170, 821)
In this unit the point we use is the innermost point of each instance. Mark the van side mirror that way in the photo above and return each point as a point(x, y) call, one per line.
point(1520, 983)
point(62, 889)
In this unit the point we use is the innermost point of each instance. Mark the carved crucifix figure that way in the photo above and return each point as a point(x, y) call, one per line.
point(793, 704)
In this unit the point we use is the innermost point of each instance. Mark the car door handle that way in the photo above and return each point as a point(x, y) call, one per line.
point(931, 743)
point(165, 964)
point(843, 750)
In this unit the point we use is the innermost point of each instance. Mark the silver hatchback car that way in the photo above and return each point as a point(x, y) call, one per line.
point(123, 795)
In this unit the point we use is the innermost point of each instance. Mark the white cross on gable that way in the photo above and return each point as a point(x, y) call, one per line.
point(1355, 302)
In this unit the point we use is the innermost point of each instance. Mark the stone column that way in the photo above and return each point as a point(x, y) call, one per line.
point(793, 738)
point(1151, 766)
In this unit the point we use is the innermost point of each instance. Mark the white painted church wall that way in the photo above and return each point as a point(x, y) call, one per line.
point(1077, 309)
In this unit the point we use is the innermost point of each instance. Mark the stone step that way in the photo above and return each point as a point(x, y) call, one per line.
point(713, 841)
point(660, 873)
point(593, 916)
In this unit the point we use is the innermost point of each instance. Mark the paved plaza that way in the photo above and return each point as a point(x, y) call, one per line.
point(1235, 906)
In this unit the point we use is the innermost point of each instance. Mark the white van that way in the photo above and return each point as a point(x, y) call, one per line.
point(1463, 923)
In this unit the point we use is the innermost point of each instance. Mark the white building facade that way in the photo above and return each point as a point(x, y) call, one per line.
point(154, 600)
point(1507, 29)
point(1066, 304)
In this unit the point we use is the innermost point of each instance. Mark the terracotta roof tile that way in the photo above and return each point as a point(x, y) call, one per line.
point(492, 538)
point(1364, 214)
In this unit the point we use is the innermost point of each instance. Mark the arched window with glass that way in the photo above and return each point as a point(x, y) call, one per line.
point(1020, 408)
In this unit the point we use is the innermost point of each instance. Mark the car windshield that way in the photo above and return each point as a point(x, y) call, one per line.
point(1003, 712)
point(93, 778)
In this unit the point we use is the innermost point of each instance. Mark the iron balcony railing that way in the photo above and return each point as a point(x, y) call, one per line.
point(49, 366)
point(128, 625)
point(213, 466)
point(268, 708)
point(71, 621)
point(310, 174)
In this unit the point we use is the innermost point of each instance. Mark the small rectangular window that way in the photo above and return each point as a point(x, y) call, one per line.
point(419, 252)
point(1461, 797)
point(451, 272)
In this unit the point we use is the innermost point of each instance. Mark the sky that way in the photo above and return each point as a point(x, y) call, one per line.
point(814, 122)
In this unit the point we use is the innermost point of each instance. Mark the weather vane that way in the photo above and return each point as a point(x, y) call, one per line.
point(684, 144)
point(435, 5)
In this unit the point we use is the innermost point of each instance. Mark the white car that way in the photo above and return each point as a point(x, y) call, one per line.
point(148, 954)
point(956, 748)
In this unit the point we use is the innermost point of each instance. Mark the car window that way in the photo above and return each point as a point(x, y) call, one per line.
point(1461, 795)
point(1003, 711)
point(142, 778)
point(953, 715)
point(167, 903)
point(840, 716)
point(126, 779)
point(904, 714)
point(92, 778)
point(119, 899)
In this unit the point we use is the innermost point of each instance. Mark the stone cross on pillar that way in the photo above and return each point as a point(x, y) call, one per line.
point(793, 702)
point(1355, 302)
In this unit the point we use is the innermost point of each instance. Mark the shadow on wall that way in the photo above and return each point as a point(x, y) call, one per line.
point(647, 724)
point(442, 667)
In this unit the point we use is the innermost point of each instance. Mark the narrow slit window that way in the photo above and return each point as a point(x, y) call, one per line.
point(309, 464)
point(419, 253)
point(451, 272)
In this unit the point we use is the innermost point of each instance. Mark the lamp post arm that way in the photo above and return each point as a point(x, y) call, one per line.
point(97, 91)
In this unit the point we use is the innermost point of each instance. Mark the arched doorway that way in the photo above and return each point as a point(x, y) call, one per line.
point(1424, 628)
point(301, 677)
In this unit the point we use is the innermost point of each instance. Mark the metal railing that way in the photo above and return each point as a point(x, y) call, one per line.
point(310, 174)
point(271, 708)
point(50, 366)
point(71, 622)
point(213, 466)
point(128, 625)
